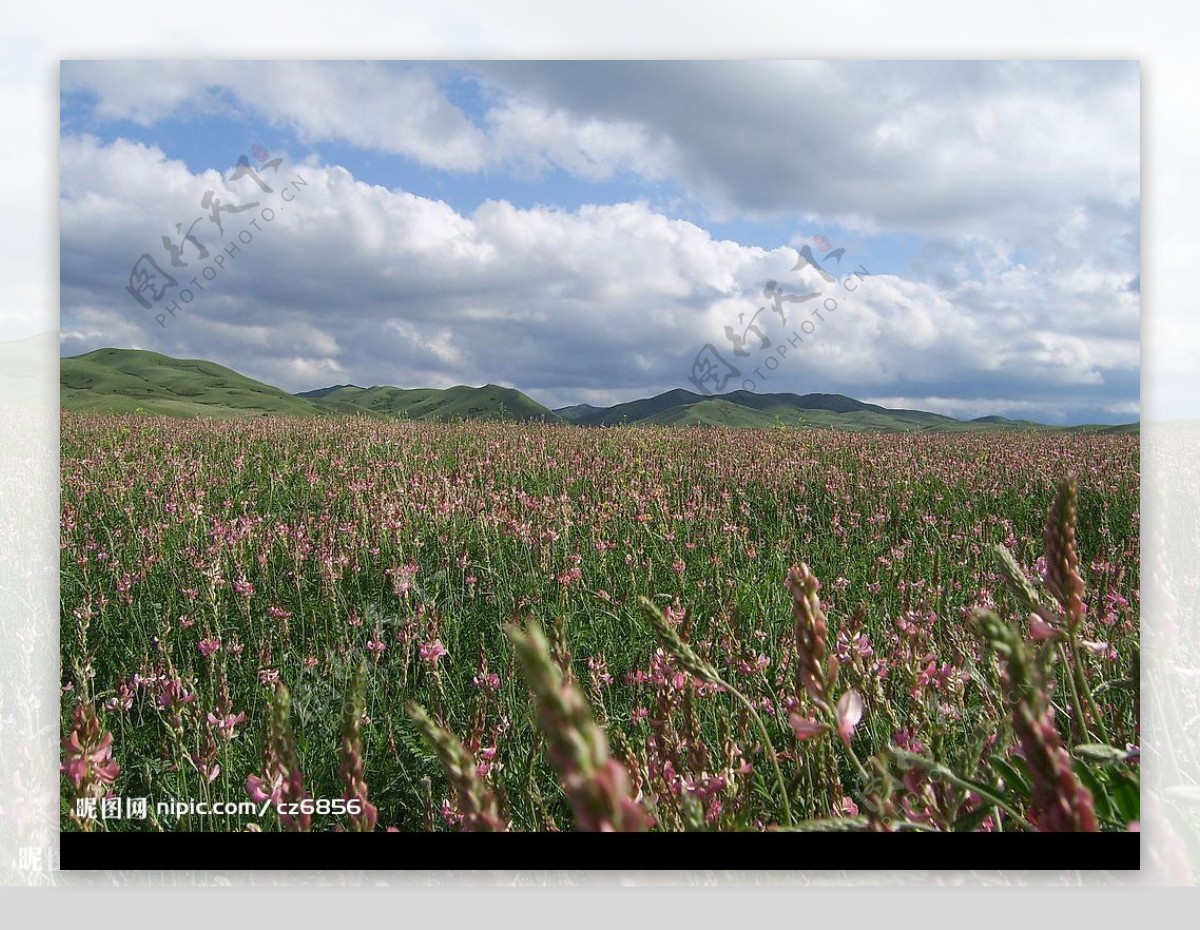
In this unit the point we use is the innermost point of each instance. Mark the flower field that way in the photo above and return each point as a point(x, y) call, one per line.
point(364, 624)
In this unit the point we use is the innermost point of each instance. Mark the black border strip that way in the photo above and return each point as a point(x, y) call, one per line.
point(817, 851)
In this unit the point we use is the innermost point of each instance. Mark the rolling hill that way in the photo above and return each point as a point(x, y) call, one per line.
point(490, 402)
point(748, 410)
point(576, 412)
point(129, 380)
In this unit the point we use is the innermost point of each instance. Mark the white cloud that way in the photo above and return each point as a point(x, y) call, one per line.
point(1035, 153)
point(534, 138)
point(980, 149)
point(371, 105)
point(355, 282)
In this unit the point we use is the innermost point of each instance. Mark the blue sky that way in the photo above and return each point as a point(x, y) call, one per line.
point(582, 230)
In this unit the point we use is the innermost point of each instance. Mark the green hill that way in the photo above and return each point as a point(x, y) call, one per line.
point(576, 412)
point(326, 391)
point(747, 410)
point(128, 380)
point(638, 411)
point(722, 412)
point(712, 413)
point(490, 402)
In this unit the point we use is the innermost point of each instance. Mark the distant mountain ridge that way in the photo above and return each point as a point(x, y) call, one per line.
point(129, 380)
point(322, 392)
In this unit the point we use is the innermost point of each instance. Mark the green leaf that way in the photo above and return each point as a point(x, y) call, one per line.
point(1127, 794)
point(938, 771)
point(968, 822)
point(1015, 778)
point(1100, 795)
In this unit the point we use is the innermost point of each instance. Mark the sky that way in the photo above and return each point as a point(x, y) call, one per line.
point(596, 232)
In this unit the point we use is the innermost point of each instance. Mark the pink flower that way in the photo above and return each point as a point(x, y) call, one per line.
point(87, 753)
point(243, 587)
point(570, 576)
point(225, 725)
point(278, 613)
point(174, 693)
point(210, 771)
point(261, 790)
point(432, 652)
point(209, 646)
point(806, 729)
point(402, 578)
point(123, 700)
point(1040, 630)
point(904, 739)
point(486, 681)
point(849, 713)
point(598, 667)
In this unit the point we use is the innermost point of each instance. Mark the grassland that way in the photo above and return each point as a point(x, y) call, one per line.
point(207, 563)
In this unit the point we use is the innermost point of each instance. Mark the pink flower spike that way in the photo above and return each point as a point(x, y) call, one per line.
point(431, 652)
point(261, 790)
point(849, 713)
point(806, 729)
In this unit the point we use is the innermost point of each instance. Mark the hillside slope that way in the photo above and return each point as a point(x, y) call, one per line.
point(128, 380)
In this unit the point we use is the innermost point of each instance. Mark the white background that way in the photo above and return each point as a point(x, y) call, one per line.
point(36, 36)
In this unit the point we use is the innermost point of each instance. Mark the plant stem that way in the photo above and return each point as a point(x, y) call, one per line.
point(768, 746)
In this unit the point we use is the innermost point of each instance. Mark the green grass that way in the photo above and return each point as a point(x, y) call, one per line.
point(163, 521)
